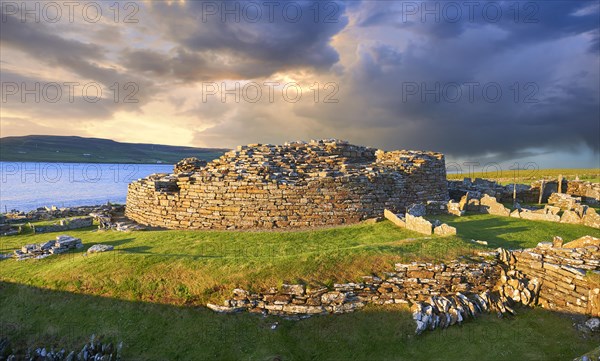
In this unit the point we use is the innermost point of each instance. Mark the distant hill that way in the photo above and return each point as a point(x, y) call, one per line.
point(49, 148)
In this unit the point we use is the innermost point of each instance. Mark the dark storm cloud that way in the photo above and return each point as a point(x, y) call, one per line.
point(523, 22)
point(552, 110)
point(216, 39)
point(39, 41)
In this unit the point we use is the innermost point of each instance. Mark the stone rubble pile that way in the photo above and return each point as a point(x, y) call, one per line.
point(573, 211)
point(564, 201)
point(479, 187)
point(61, 244)
point(95, 350)
point(189, 165)
point(295, 185)
point(589, 192)
point(441, 311)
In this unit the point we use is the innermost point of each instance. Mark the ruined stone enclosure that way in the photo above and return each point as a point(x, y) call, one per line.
point(296, 185)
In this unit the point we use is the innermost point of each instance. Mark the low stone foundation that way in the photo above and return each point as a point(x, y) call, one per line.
point(408, 283)
point(553, 277)
point(65, 225)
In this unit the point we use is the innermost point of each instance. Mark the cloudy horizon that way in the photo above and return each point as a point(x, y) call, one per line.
point(501, 81)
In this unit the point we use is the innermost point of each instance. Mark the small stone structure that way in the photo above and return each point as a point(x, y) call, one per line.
point(62, 244)
point(299, 184)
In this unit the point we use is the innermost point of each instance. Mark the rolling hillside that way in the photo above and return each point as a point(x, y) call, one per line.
point(45, 148)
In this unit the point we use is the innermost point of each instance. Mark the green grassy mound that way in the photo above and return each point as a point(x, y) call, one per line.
point(146, 292)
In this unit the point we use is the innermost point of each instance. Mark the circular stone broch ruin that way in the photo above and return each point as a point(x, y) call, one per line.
point(295, 185)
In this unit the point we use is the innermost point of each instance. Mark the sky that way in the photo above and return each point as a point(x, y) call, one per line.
point(500, 83)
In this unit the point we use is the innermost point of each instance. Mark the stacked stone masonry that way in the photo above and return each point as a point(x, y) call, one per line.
point(589, 192)
point(563, 275)
point(296, 185)
point(552, 275)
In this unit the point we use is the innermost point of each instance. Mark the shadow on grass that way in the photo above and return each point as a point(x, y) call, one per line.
point(34, 317)
point(493, 230)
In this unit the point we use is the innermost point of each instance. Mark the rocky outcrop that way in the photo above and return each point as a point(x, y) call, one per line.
point(328, 182)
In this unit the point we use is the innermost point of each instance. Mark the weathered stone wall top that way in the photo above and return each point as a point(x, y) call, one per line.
point(300, 161)
point(298, 184)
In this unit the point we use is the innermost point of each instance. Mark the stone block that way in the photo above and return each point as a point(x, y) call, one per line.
point(419, 224)
point(491, 206)
point(444, 230)
point(398, 220)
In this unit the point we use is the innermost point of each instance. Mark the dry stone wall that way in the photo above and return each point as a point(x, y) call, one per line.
point(412, 282)
point(562, 272)
point(327, 182)
point(552, 275)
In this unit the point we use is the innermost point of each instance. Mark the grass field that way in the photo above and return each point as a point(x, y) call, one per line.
point(527, 176)
point(147, 292)
point(166, 332)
